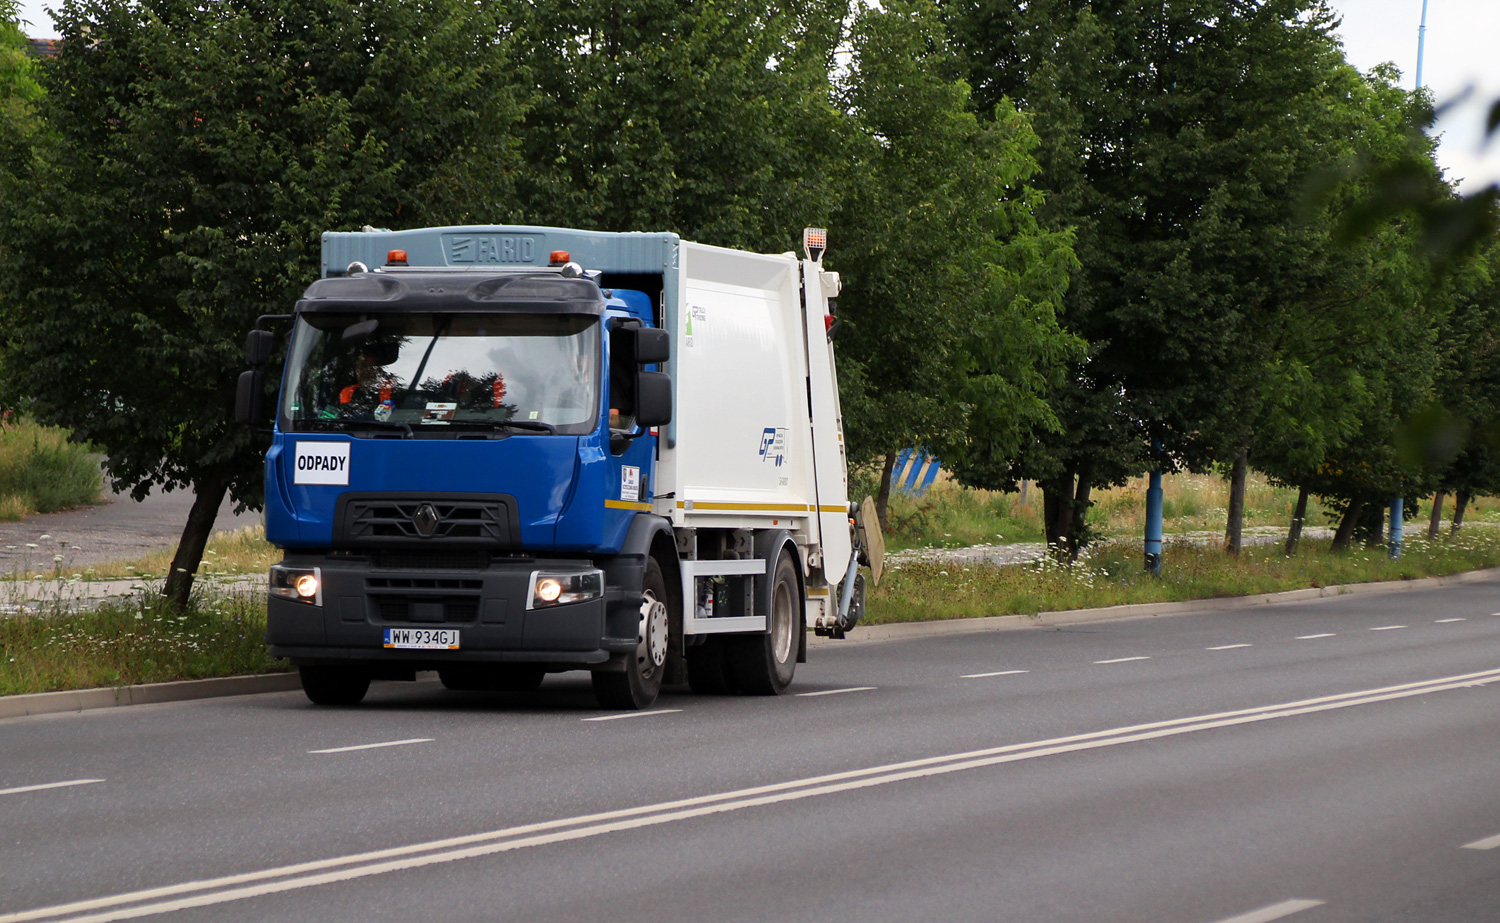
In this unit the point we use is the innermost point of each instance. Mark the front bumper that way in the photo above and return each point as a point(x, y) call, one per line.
point(487, 605)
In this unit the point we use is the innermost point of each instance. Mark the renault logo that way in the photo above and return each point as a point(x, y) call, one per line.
point(425, 519)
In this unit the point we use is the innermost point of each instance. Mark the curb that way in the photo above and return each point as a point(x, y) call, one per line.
point(905, 631)
point(44, 703)
point(77, 700)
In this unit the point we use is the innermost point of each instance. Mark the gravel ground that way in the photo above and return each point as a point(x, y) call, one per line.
point(120, 529)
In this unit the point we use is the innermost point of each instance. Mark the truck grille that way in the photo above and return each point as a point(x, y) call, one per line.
point(444, 609)
point(432, 560)
point(405, 520)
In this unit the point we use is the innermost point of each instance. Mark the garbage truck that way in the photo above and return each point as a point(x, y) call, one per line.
point(502, 452)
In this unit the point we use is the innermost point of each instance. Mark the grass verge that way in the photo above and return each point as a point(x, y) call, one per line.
point(228, 553)
point(1113, 574)
point(135, 641)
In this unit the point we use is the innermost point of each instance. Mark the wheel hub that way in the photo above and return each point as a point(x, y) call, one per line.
point(651, 651)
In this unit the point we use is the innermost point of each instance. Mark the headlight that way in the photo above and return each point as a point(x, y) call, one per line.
point(554, 589)
point(300, 584)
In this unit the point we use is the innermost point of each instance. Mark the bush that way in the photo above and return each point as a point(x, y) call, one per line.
point(41, 471)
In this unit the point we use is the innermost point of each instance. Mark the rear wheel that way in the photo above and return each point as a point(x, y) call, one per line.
point(639, 683)
point(334, 685)
point(764, 664)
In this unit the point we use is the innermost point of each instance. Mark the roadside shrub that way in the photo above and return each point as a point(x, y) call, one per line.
point(41, 471)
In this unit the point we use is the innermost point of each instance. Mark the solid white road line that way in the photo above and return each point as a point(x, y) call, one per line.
point(388, 743)
point(1122, 660)
point(996, 673)
point(635, 714)
point(1225, 647)
point(1326, 634)
point(1273, 912)
point(837, 691)
point(37, 788)
point(1487, 843)
point(362, 865)
point(1388, 628)
point(1441, 621)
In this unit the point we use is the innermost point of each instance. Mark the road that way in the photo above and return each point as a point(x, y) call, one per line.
point(119, 529)
point(1324, 761)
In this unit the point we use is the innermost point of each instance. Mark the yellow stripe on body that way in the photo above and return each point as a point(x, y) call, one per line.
point(627, 505)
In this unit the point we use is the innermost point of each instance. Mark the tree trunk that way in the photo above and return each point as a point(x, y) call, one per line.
point(1024, 485)
point(1348, 524)
point(1079, 527)
point(1436, 522)
point(883, 496)
point(200, 524)
point(1234, 529)
point(1460, 503)
point(1294, 534)
point(1057, 512)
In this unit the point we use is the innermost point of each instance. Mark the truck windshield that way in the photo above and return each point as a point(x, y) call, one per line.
point(430, 374)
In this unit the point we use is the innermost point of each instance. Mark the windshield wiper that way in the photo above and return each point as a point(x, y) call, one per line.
point(532, 425)
point(380, 424)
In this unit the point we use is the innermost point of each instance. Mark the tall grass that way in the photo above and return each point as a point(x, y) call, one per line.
point(949, 516)
point(143, 640)
point(41, 471)
point(1112, 574)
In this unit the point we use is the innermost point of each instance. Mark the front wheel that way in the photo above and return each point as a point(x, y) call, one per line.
point(638, 685)
point(334, 685)
point(764, 664)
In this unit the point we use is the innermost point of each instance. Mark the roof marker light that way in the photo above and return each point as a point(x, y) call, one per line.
point(560, 257)
point(815, 241)
point(395, 258)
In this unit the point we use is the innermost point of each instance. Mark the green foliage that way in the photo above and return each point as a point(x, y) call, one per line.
point(951, 288)
point(144, 640)
point(710, 120)
point(194, 154)
point(41, 470)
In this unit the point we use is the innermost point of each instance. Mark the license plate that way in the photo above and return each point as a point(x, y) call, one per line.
point(422, 639)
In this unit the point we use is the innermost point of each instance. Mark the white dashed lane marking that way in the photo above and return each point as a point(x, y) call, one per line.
point(837, 691)
point(1225, 647)
point(1122, 660)
point(635, 714)
point(996, 673)
point(46, 785)
point(1441, 621)
point(1326, 634)
point(1388, 628)
point(1273, 912)
point(388, 743)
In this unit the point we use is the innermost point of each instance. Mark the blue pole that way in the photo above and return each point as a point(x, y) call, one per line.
point(1421, 41)
point(1153, 525)
point(1398, 513)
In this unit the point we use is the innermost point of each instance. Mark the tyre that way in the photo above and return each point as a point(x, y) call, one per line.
point(334, 685)
point(708, 668)
point(639, 683)
point(764, 664)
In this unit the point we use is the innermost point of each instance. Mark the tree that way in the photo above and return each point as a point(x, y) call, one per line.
point(1176, 139)
point(951, 288)
point(18, 87)
point(711, 120)
point(193, 154)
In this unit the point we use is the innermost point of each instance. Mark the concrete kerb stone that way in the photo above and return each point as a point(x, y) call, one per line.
point(17, 706)
point(904, 631)
point(153, 693)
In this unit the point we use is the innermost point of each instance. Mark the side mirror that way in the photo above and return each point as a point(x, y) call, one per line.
point(652, 345)
point(653, 399)
point(249, 393)
point(258, 345)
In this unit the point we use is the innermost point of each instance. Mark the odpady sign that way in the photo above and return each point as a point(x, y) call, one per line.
point(321, 463)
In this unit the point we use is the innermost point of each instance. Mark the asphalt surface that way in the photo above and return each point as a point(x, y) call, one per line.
point(1146, 769)
point(120, 529)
